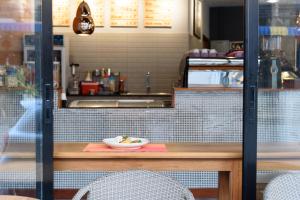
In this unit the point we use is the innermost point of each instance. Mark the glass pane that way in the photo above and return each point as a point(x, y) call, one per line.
point(20, 102)
point(279, 98)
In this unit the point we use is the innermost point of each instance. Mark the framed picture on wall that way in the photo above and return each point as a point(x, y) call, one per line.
point(61, 13)
point(198, 19)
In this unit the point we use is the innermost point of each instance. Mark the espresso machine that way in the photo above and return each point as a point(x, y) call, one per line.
point(73, 88)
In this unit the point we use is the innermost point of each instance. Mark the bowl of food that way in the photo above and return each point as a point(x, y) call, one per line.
point(127, 142)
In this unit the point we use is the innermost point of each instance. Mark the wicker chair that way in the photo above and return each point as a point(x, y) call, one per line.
point(284, 187)
point(135, 185)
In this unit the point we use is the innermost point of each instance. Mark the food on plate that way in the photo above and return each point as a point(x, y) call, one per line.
point(127, 140)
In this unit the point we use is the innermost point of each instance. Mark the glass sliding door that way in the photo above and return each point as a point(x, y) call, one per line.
point(26, 98)
point(278, 116)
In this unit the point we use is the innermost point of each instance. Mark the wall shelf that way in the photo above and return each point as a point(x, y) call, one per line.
point(279, 31)
point(12, 89)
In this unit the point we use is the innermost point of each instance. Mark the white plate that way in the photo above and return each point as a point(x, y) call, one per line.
point(114, 143)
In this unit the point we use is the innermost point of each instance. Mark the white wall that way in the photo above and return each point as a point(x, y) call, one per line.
point(205, 17)
point(134, 51)
point(132, 54)
point(179, 24)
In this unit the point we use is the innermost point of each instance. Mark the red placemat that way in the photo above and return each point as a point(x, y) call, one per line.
point(104, 148)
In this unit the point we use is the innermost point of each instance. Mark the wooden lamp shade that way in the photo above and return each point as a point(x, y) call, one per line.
point(83, 23)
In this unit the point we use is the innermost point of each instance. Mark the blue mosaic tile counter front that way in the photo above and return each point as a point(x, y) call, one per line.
point(197, 117)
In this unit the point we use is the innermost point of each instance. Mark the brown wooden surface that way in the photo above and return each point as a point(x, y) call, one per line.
point(63, 194)
point(175, 150)
point(179, 157)
point(10, 197)
point(223, 89)
point(209, 89)
point(235, 180)
point(223, 185)
point(224, 158)
point(101, 164)
point(2, 88)
point(278, 164)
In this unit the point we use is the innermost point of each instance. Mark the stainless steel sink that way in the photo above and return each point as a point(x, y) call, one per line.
point(147, 103)
point(93, 104)
point(147, 94)
point(120, 103)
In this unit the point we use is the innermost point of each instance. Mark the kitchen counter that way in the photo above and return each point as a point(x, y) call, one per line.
point(152, 100)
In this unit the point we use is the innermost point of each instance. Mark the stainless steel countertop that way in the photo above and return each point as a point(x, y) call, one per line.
point(127, 100)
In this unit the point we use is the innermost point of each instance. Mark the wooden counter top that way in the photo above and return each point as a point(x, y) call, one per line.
point(175, 150)
point(225, 158)
point(224, 89)
point(209, 89)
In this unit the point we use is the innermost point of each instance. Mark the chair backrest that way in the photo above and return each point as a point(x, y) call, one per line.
point(135, 185)
point(284, 187)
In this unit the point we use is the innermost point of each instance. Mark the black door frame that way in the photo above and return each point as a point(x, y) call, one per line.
point(45, 140)
point(250, 99)
point(44, 71)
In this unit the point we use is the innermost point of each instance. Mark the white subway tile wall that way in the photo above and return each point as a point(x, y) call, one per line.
point(133, 55)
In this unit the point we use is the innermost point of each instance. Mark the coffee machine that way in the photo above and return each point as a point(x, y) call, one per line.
point(73, 88)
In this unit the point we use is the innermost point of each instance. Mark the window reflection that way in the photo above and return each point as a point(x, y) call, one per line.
point(278, 102)
point(18, 107)
point(279, 45)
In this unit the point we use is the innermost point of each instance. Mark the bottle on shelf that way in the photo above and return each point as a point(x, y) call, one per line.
point(112, 83)
point(122, 86)
point(105, 81)
point(2, 75)
point(117, 81)
point(11, 79)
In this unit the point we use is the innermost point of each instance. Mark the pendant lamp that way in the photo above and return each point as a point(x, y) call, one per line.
point(83, 23)
point(298, 20)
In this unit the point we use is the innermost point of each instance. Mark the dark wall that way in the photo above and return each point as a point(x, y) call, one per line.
point(227, 23)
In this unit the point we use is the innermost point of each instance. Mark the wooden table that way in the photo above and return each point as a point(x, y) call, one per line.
point(223, 158)
point(10, 197)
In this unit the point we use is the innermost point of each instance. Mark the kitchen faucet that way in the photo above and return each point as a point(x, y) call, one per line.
point(147, 82)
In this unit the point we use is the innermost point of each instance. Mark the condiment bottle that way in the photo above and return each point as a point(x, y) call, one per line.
point(2, 75)
point(122, 86)
point(117, 81)
point(112, 83)
point(105, 80)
